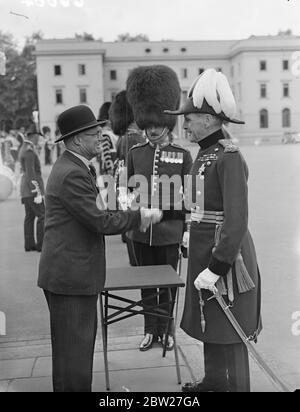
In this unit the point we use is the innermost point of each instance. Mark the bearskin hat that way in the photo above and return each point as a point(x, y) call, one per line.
point(103, 111)
point(120, 114)
point(150, 91)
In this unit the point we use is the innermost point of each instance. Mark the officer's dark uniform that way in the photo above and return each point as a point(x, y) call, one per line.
point(220, 241)
point(159, 244)
point(31, 169)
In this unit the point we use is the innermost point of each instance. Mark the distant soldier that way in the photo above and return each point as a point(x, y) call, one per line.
point(151, 89)
point(221, 253)
point(32, 191)
point(124, 126)
point(108, 142)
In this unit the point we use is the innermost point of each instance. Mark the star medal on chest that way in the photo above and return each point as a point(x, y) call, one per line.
point(207, 161)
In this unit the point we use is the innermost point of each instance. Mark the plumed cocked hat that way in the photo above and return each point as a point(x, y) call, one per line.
point(120, 113)
point(211, 94)
point(150, 91)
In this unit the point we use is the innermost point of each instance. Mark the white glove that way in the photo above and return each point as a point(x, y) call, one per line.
point(206, 280)
point(149, 216)
point(123, 198)
point(186, 239)
point(38, 199)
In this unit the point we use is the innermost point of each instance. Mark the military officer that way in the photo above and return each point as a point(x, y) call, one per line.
point(150, 90)
point(221, 252)
point(32, 191)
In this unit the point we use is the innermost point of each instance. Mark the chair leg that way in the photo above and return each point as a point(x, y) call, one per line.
point(104, 340)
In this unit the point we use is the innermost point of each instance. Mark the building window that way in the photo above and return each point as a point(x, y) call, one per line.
point(57, 70)
point(165, 50)
point(184, 73)
point(82, 95)
point(285, 65)
point(263, 65)
point(183, 49)
point(148, 50)
point(113, 75)
point(219, 69)
point(286, 118)
point(264, 119)
point(59, 96)
point(201, 70)
point(286, 90)
point(263, 91)
point(81, 69)
point(232, 71)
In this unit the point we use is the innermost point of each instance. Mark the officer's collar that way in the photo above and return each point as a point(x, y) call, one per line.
point(160, 145)
point(211, 139)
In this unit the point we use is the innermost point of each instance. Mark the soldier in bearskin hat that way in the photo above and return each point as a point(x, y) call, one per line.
point(221, 251)
point(124, 126)
point(150, 90)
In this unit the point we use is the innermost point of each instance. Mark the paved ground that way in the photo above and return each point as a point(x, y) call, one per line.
point(274, 198)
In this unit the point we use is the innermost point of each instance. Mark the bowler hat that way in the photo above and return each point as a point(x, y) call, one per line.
point(76, 120)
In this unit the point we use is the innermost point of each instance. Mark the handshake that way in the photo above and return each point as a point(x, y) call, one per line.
point(148, 217)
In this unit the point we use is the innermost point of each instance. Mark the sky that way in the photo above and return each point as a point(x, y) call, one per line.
point(159, 19)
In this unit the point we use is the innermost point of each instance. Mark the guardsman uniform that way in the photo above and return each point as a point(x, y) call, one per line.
point(32, 186)
point(159, 244)
point(221, 243)
point(151, 89)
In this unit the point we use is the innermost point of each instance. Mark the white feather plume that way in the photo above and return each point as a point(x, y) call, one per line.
point(227, 101)
point(213, 86)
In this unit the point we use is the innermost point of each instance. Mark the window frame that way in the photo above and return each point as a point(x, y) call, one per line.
point(81, 65)
point(60, 70)
point(57, 90)
point(261, 123)
point(113, 75)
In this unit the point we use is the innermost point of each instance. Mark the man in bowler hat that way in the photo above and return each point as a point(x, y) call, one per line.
point(72, 264)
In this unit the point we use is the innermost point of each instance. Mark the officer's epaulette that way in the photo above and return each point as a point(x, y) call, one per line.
point(228, 145)
point(178, 146)
point(139, 145)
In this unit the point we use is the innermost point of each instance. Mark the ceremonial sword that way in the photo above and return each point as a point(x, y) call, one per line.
point(253, 352)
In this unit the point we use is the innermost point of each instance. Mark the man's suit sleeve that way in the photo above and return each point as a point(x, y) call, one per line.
point(30, 168)
point(79, 198)
point(232, 172)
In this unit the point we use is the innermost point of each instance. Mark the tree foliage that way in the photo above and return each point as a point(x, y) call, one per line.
point(126, 37)
point(18, 88)
point(85, 36)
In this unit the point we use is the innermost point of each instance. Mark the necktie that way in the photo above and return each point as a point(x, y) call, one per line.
point(93, 171)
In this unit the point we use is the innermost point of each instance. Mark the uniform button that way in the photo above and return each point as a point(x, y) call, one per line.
point(208, 163)
point(198, 192)
point(216, 149)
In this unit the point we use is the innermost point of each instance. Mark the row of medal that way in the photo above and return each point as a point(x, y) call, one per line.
point(171, 157)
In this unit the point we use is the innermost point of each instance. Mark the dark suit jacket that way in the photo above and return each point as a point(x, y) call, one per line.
point(31, 169)
point(73, 255)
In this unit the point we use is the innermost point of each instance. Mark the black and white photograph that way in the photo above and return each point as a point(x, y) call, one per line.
point(149, 198)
